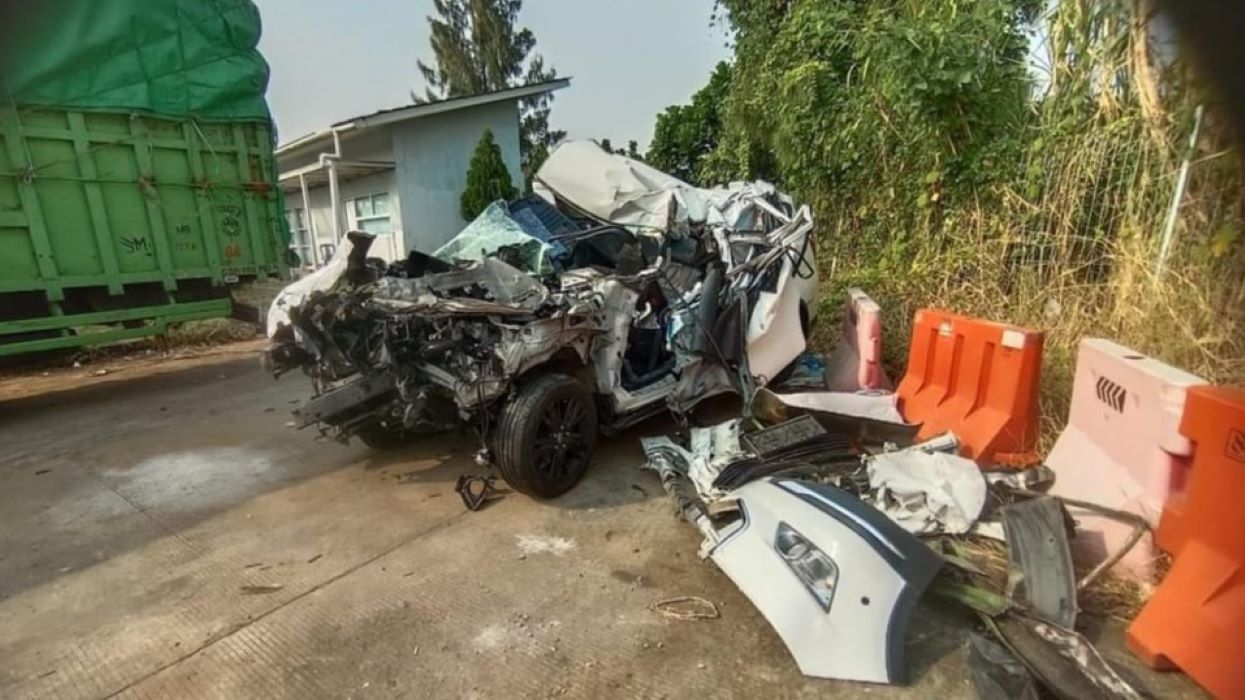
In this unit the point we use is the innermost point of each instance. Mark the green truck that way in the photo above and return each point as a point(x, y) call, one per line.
point(137, 178)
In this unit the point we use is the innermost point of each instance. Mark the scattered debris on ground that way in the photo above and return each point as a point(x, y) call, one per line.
point(543, 544)
point(814, 489)
point(687, 607)
point(260, 589)
point(834, 500)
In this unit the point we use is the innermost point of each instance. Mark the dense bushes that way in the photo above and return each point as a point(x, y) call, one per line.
point(1010, 158)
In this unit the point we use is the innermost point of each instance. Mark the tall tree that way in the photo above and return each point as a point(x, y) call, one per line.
point(478, 47)
point(488, 180)
point(685, 134)
point(632, 151)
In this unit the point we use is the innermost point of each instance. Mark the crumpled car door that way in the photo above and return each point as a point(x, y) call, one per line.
point(775, 336)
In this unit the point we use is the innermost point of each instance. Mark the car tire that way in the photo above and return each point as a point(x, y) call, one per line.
point(380, 437)
point(544, 438)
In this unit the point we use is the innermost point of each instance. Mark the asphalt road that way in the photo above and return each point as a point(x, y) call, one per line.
point(166, 534)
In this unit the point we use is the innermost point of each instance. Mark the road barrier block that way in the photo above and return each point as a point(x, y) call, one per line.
point(1196, 619)
point(856, 363)
point(1122, 446)
point(978, 379)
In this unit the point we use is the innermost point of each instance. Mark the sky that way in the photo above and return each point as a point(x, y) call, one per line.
point(628, 60)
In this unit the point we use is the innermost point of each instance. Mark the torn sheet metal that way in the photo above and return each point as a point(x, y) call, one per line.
point(322, 280)
point(996, 673)
point(619, 190)
point(1063, 660)
point(1036, 478)
point(720, 458)
point(508, 290)
point(1040, 573)
point(775, 336)
point(927, 492)
point(712, 449)
point(1088, 661)
point(835, 578)
point(868, 416)
point(741, 205)
point(873, 406)
point(671, 462)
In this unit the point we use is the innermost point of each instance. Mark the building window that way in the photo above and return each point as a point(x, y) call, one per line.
point(371, 214)
point(300, 237)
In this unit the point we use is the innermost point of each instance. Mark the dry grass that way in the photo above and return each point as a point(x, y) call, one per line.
point(1080, 260)
point(1071, 246)
point(1110, 595)
point(1076, 255)
point(212, 331)
point(1115, 596)
point(180, 340)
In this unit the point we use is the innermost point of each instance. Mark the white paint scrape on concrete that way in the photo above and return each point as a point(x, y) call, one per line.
point(541, 544)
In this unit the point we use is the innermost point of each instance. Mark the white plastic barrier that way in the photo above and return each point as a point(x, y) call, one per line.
point(1122, 447)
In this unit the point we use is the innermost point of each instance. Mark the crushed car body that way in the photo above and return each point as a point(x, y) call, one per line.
point(551, 319)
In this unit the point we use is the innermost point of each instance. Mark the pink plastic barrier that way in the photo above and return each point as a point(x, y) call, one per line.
point(1122, 447)
point(856, 362)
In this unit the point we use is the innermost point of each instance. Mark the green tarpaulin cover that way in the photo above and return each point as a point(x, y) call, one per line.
point(176, 58)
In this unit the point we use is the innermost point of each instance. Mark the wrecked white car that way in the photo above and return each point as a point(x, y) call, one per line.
point(617, 293)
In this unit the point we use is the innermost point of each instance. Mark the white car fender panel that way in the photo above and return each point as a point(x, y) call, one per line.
point(835, 578)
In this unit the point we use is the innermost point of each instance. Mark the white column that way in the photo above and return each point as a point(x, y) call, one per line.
point(335, 197)
point(311, 222)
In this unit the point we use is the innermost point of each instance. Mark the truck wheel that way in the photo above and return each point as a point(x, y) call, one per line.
point(545, 435)
point(380, 437)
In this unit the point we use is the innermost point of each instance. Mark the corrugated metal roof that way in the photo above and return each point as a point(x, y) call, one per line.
point(421, 109)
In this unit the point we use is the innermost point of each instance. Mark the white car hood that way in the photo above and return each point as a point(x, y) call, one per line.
point(630, 193)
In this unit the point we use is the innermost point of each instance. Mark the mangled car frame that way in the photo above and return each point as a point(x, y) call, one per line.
point(612, 294)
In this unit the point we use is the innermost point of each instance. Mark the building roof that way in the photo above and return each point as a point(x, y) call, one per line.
point(415, 111)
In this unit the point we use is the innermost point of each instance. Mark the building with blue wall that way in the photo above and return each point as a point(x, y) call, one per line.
point(398, 173)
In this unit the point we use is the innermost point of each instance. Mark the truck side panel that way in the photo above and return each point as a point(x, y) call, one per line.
point(110, 211)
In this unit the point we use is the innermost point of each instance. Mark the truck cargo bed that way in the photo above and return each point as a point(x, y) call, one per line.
point(115, 224)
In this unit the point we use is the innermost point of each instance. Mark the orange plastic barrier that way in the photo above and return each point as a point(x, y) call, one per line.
point(1196, 618)
point(978, 379)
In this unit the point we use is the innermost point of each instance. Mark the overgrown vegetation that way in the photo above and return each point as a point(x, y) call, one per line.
point(686, 134)
point(631, 151)
point(488, 180)
point(947, 171)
